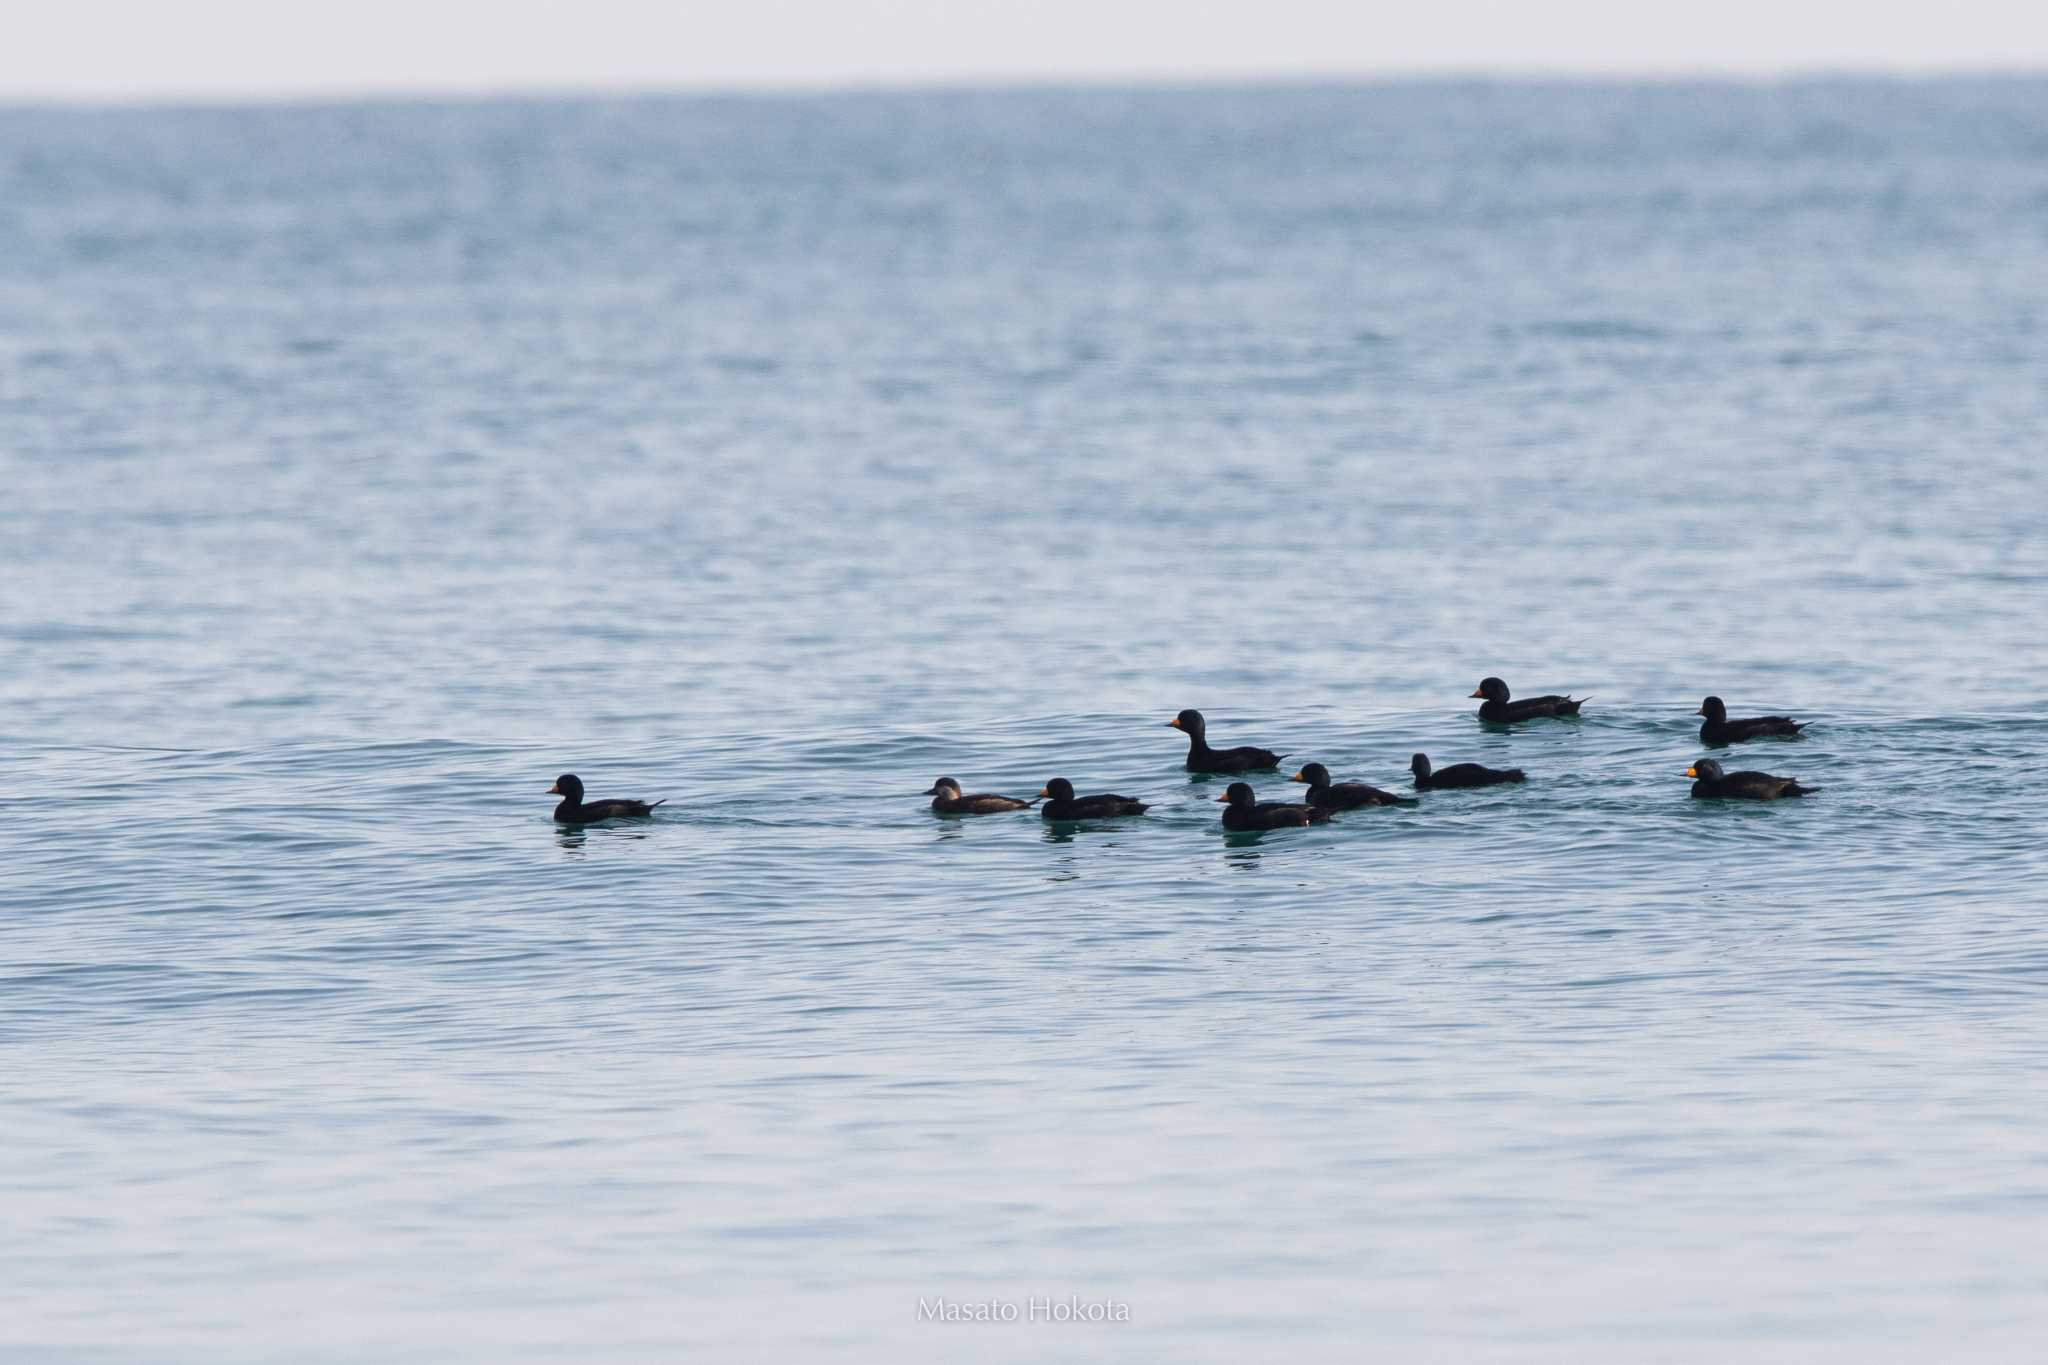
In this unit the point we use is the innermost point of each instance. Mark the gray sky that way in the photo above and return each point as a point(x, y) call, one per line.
point(118, 49)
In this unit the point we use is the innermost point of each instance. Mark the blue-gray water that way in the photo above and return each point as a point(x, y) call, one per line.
point(362, 468)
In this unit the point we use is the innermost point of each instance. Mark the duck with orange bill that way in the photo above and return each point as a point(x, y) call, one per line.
point(1713, 784)
point(1203, 759)
point(1244, 811)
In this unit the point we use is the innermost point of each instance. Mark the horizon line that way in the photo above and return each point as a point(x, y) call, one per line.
point(519, 90)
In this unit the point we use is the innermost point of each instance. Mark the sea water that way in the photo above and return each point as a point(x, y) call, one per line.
point(363, 467)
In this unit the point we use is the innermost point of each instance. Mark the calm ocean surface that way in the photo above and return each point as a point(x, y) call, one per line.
point(364, 467)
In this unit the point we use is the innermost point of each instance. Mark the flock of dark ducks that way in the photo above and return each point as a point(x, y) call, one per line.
point(1244, 811)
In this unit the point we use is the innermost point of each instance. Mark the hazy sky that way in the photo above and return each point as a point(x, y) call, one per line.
point(132, 48)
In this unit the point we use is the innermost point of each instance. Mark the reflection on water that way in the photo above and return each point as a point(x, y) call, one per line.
point(1241, 852)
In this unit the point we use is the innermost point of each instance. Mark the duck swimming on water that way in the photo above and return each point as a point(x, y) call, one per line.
point(1715, 784)
point(1244, 811)
point(1203, 759)
point(1344, 795)
point(1459, 774)
point(574, 810)
point(1497, 707)
point(1718, 729)
point(1062, 804)
point(947, 800)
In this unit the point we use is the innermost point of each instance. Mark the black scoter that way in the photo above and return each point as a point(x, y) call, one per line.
point(1459, 775)
point(1344, 795)
point(947, 800)
point(1244, 811)
point(1718, 729)
point(1203, 759)
point(1498, 707)
point(1062, 804)
point(574, 810)
point(1713, 783)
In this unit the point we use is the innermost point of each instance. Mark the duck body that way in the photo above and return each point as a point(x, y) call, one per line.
point(1498, 708)
point(1713, 784)
point(1718, 729)
point(948, 799)
point(1203, 759)
point(574, 810)
point(1345, 795)
point(1460, 775)
point(1062, 804)
point(1244, 811)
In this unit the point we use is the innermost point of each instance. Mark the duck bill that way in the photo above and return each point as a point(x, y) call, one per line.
point(1692, 772)
point(1701, 712)
point(1222, 800)
point(1475, 693)
point(555, 790)
point(1297, 778)
point(1174, 723)
point(1044, 794)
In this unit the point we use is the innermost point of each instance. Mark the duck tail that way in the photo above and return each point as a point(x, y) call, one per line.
point(1796, 790)
point(652, 804)
point(1517, 775)
point(1572, 704)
